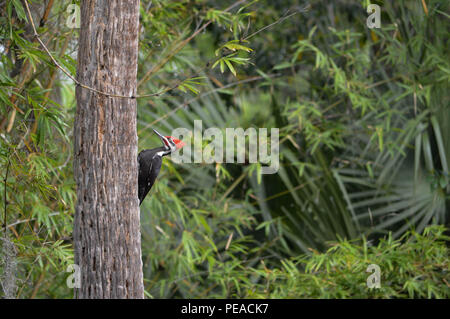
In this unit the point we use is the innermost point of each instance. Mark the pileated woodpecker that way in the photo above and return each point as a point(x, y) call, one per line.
point(150, 161)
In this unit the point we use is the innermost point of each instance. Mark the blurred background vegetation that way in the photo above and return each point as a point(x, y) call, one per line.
point(364, 149)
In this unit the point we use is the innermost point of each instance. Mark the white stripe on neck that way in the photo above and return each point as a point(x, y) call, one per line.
point(162, 153)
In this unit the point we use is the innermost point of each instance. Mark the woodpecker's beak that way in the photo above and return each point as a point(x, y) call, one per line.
point(162, 137)
point(157, 133)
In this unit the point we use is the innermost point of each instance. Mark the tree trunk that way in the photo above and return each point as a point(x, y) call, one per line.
point(107, 235)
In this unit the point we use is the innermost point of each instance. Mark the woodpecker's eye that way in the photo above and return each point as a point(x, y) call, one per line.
point(170, 139)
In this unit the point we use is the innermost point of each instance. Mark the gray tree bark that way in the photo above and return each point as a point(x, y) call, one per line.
point(107, 237)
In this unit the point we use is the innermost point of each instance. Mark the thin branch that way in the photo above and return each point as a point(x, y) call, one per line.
point(29, 220)
point(78, 83)
point(6, 204)
point(256, 78)
point(181, 46)
point(284, 17)
point(425, 9)
point(229, 241)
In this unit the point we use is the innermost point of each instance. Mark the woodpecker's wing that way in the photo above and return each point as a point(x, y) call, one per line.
point(149, 166)
point(143, 189)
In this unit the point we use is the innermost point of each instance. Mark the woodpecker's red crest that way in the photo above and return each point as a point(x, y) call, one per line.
point(178, 143)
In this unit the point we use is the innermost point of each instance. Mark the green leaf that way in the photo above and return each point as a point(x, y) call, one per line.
point(230, 66)
point(19, 10)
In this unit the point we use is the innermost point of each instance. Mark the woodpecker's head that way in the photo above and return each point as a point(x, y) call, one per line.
point(170, 143)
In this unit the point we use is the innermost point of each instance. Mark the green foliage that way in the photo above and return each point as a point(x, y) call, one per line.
point(35, 155)
point(414, 266)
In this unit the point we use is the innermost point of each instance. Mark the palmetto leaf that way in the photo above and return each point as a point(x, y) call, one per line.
point(406, 191)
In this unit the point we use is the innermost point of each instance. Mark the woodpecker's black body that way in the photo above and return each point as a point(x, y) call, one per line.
point(150, 161)
point(149, 165)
